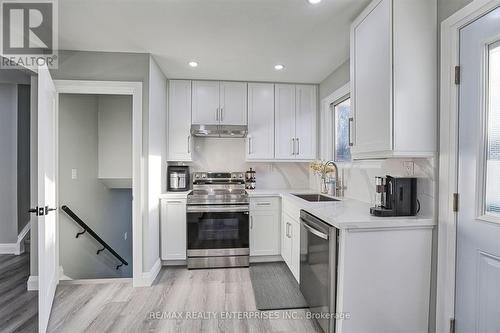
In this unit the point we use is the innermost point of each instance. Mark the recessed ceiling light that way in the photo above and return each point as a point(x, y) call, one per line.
point(279, 67)
point(193, 64)
point(314, 1)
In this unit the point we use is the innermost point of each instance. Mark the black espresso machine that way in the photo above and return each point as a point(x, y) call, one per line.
point(395, 196)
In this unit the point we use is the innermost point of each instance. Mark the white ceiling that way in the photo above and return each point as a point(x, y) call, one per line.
point(231, 39)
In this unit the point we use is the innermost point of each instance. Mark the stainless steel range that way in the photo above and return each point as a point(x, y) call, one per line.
point(218, 221)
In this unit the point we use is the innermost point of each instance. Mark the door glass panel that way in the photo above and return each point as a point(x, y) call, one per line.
point(493, 139)
point(342, 114)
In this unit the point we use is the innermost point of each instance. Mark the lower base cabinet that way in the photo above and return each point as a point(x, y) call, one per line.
point(290, 244)
point(265, 226)
point(173, 229)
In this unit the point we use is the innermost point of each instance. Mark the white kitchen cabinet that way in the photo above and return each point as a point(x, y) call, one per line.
point(265, 226)
point(173, 229)
point(205, 110)
point(290, 246)
point(305, 121)
point(233, 103)
point(295, 127)
point(394, 92)
point(217, 102)
point(179, 121)
point(260, 138)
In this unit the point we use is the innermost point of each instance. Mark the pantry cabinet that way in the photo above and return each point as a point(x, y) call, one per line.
point(265, 226)
point(173, 229)
point(179, 121)
point(217, 103)
point(260, 138)
point(295, 127)
point(393, 86)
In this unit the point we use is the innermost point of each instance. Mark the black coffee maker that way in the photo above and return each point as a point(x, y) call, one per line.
point(395, 196)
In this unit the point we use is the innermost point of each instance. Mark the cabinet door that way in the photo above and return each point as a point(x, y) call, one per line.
point(372, 80)
point(179, 120)
point(286, 243)
point(206, 102)
point(295, 249)
point(260, 139)
point(233, 103)
point(173, 229)
point(305, 122)
point(264, 233)
point(284, 108)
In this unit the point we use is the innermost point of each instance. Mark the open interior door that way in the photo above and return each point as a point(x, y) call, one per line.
point(48, 256)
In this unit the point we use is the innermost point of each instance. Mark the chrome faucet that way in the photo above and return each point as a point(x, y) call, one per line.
point(339, 183)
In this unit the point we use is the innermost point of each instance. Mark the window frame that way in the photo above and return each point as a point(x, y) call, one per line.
point(333, 105)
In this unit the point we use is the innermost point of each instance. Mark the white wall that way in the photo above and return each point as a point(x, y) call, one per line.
point(8, 163)
point(156, 160)
point(335, 80)
point(228, 154)
point(107, 212)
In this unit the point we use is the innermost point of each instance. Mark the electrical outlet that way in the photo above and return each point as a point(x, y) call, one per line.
point(409, 168)
point(74, 174)
point(125, 236)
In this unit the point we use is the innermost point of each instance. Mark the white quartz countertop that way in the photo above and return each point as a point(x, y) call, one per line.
point(345, 214)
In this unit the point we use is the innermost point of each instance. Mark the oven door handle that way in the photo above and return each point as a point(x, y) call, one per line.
point(218, 209)
point(313, 230)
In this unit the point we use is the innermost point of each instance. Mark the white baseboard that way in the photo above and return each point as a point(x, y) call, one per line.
point(174, 263)
point(95, 281)
point(147, 278)
point(8, 248)
point(32, 283)
point(255, 259)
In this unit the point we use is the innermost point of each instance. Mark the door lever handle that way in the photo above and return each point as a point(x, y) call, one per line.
point(47, 209)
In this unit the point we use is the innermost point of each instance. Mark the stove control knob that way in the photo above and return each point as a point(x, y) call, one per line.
point(204, 176)
point(196, 176)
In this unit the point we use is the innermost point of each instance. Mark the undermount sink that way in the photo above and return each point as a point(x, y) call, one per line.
point(315, 197)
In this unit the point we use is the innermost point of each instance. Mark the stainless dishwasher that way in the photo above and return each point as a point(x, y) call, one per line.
point(318, 268)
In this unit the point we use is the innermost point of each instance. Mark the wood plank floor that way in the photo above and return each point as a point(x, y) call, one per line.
point(117, 307)
point(18, 306)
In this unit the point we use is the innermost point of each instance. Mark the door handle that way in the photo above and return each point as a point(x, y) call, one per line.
point(189, 144)
point(298, 146)
point(48, 210)
point(349, 131)
point(293, 146)
point(217, 114)
point(38, 211)
point(221, 114)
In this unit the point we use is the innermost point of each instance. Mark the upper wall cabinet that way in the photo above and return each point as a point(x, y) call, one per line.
point(179, 120)
point(295, 127)
point(260, 139)
point(393, 71)
point(217, 102)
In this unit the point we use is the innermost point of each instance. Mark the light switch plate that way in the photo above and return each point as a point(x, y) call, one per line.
point(409, 168)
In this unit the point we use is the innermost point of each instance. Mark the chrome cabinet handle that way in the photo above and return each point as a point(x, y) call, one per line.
point(263, 204)
point(189, 144)
point(217, 114)
point(221, 114)
point(250, 145)
point(298, 146)
point(293, 146)
point(251, 222)
point(349, 131)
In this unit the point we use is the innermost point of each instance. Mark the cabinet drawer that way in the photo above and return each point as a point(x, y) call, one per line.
point(265, 203)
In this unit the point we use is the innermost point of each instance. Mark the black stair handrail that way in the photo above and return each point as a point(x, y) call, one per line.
point(86, 228)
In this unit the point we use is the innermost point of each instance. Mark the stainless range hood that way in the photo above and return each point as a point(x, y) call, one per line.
point(219, 131)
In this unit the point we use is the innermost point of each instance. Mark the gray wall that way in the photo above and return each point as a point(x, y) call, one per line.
point(23, 156)
point(8, 163)
point(107, 212)
point(336, 79)
point(448, 7)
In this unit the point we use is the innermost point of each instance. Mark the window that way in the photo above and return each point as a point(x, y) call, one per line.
point(342, 114)
point(493, 132)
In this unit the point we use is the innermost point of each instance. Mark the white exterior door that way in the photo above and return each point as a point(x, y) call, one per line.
point(478, 228)
point(305, 122)
point(284, 108)
point(205, 101)
point(233, 103)
point(260, 139)
point(48, 260)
